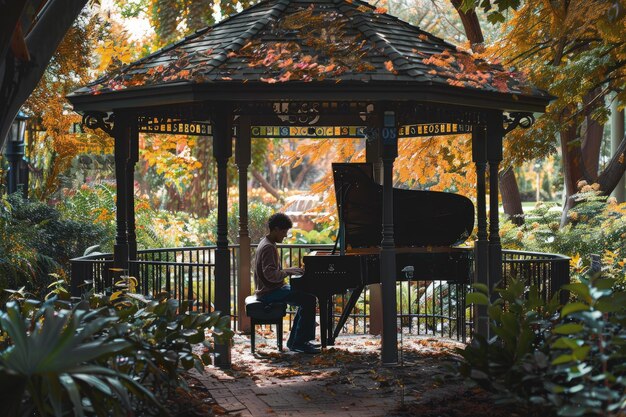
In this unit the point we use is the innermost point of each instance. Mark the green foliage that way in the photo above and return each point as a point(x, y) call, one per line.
point(324, 236)
point(596, 225)
point(570, 361)
point(258, 213)
point(107, 355)
point(36, 241)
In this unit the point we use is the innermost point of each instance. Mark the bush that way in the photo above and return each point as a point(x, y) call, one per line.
point(596, 225)
point(37, 240)
point(107, 355)
point(324, 236)
point(571, 362)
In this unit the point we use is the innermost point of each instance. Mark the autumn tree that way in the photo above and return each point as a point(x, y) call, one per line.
point(576, 50)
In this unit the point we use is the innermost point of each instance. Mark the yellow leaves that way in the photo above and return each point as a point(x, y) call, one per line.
point(380, 10)
point(576, 263)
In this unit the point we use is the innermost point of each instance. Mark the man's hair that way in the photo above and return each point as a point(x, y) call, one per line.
point(279, 220)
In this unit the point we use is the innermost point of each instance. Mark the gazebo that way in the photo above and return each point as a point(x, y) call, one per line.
point(311, 69)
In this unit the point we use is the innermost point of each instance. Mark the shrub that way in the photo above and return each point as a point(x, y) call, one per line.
point(36, 241)
point(570, 361)
point(107, 355)
point(596, 225)
point(324, 236)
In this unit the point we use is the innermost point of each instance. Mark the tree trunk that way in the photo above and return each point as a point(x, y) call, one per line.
point(471, 24)
point(268, 187)
point(592, 136)
point(572, 163)
point(511, 199)
point(301, 176)
point(614, 171)
point(617, 132)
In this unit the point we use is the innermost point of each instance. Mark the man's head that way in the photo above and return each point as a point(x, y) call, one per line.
point(279, 224)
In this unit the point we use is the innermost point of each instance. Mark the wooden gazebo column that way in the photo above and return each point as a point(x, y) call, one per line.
point(222, 151)
point(242, 159)
point(481, 245)
point(372, 154)
point(389, 137)
point(122, 138)
point(495, 133)
point(133, 158)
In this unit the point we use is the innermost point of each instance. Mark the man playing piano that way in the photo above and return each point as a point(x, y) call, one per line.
point(269, 279)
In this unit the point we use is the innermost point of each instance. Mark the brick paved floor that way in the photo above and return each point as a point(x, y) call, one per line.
point(344, 381)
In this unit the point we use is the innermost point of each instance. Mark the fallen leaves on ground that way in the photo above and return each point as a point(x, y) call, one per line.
point(422, 382)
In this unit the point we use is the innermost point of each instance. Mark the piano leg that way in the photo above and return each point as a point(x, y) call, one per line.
point(329, 326)
point(323, 301)
point(354, 297)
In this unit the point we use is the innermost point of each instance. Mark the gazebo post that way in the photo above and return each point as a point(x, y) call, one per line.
point(481, 245)
point(133, 158)
point(121, 136)
point(372, 154)
point(243, 159)
point(495, 133)
point(222, 151)
point(389, 136)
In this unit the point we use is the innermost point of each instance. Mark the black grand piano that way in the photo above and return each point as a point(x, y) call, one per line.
point(427, 226)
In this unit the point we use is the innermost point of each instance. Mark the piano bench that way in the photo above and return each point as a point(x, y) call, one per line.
point(265, 313)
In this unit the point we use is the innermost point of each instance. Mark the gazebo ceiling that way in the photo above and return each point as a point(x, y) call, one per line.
point(311, 50)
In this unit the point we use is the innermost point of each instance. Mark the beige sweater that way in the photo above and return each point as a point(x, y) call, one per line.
point(268, 274)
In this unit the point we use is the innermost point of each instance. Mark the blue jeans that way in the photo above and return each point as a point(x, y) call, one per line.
point(303, 326)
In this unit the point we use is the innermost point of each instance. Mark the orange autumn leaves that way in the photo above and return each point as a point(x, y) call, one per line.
point(462, 69)
point(441, 163)
point(324, 49)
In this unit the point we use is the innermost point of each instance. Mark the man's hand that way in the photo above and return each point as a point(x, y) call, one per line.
point(294, 271)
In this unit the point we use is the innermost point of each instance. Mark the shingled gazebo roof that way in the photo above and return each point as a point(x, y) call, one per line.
point(311, 49)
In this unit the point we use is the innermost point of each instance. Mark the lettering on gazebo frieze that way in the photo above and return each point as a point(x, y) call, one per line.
point(99, 120)
point(430, 129)
point(173, 126)
point(310, 132)
point(356, 132)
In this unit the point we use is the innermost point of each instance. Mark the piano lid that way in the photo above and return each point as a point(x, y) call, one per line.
point(421, 218)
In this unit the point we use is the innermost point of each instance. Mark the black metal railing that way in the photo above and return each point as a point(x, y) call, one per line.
point(549, 272)
point(434, 308)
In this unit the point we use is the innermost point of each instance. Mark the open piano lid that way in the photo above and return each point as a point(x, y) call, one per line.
point(421, 218)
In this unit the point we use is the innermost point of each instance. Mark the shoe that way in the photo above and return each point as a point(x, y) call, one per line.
point(305, 348)
point(315, 344)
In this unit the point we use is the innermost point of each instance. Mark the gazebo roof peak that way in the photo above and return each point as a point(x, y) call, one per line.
point(296, 42)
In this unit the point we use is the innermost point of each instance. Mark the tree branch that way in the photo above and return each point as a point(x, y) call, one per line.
point(42, 42)
point(268, 187)
point(614, 171)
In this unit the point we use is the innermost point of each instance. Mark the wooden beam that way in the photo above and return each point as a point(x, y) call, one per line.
point(222, 151)
point(495, 134)
point(372, 154)
point(243, 158)
point(133, 158)
point(481, 245)
point(389, 138)
point(121, 136)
